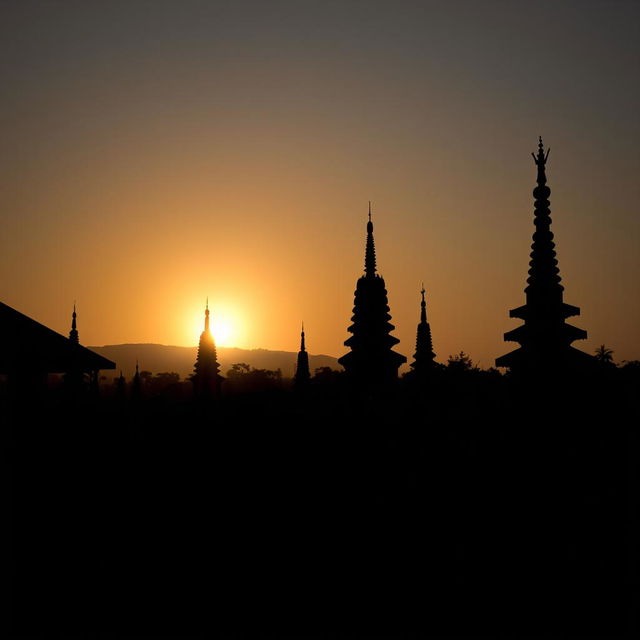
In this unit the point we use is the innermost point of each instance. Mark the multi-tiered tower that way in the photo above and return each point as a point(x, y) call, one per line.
point(424, 359)
point(206, 377)
point(545, 338)
point(371, 361)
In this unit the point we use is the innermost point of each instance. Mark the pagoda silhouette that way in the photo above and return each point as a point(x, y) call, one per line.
point(545, 338)
point(424, 359)
point(302, 374)
point(206, 377)
point(371, 361)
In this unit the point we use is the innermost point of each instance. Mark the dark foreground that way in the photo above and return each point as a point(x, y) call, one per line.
point(273, 515)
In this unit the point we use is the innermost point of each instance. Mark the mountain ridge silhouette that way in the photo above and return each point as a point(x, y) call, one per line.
point(159, 358)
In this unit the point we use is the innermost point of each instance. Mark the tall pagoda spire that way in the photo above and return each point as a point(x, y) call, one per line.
point(302, 374)
point(424, 357)
point(371, 360)
point(545, 338)
point(206, 377)
point(74, 376)
point(370, 250)
point(73, 334)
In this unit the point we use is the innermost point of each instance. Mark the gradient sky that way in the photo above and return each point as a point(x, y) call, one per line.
point(155, 153)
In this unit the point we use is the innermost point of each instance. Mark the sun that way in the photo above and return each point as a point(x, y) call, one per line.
point(223, 322)
point(222, 332)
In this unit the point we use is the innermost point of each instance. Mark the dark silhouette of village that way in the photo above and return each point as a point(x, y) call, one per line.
point(448, 501)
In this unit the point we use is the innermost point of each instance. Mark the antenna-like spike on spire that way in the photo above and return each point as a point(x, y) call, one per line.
point(370, 251)
point(302, 345)
point(206, 316)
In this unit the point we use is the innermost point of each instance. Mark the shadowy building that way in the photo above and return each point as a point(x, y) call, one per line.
point(424, 358)
point(302, 375)
point(545, 338)
point(371, 361)
point(206, 378)
point(29, 351)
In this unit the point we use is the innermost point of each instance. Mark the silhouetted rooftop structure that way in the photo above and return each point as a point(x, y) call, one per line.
point(371, 360)
point(545, 338)
point(424, 357)
point(206, 378)
point(28, 347)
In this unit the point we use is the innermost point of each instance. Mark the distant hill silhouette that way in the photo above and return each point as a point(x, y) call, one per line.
point(158, 358)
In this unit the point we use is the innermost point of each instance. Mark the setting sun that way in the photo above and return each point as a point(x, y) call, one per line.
point(225, 325)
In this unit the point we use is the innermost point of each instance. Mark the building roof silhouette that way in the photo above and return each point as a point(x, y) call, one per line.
point(27, 345)
point(545, 338)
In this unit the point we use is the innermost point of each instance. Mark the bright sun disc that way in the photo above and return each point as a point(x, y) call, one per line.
point(223, 328)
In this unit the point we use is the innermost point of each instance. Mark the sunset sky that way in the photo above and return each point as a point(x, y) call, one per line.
point(154, 153)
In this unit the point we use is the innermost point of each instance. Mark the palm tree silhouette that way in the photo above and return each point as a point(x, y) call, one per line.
point(604, 355)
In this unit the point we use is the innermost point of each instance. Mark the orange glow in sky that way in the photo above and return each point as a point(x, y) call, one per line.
point(157, 154)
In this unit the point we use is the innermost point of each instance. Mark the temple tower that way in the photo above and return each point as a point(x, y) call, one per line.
point(424, 357)
point(74, 380)
point(206, 377)
point(371, 361)
point(545, 338)
point(302, 375)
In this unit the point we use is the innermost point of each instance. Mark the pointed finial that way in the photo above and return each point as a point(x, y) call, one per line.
point(302, 345)
point(423, 305)
point(206, 316)
point(136, 365)
point(370, 252)
point(541, 158)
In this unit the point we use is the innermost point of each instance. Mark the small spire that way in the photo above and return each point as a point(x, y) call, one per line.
point(302, 346)
point(423, 306)
point(136, 366)
point(370, 252)
point(73, 334)
point(206, 316)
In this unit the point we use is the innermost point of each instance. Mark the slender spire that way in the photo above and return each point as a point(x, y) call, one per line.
point(73, 334)
point(423, 306)
point(370, 251)
point(424, 357)
point(206, 316)
point(302, 374)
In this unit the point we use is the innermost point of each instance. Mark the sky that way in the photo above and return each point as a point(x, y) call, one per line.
point(154, 153)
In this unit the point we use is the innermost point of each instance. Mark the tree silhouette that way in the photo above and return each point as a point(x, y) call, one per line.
point(604, 355)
